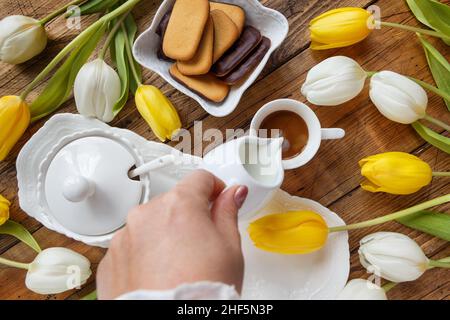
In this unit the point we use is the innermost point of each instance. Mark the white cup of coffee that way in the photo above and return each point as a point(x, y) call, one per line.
point(300, 127)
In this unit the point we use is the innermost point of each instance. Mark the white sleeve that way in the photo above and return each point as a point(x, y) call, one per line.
point(204, 290)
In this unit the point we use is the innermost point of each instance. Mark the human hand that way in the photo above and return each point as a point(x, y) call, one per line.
point(186, 235)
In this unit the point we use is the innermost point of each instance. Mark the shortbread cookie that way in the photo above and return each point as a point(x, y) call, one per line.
point(235, 13)
point(208, 86)
point(243, 70)
point(225, 33)
point(185, 29)
point(203, 59)
point(248, 41)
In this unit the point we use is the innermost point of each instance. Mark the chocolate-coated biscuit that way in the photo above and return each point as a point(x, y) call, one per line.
point(225, 33)
point(249, 64)
point(162, 26)
point(185, 29)
point(248, 40)
point(160, 31)
point(203, 59)
point(208, 86)
point(235, 13)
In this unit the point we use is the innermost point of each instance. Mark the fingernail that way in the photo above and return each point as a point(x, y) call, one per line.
point(240, 195)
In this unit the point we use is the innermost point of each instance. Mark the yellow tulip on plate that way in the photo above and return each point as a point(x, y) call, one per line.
point(294, 232)
point(340, 28)
point(14, 120)
point(395, 172)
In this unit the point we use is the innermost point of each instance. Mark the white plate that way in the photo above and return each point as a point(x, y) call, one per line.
point(270, 23)
point(319, 275)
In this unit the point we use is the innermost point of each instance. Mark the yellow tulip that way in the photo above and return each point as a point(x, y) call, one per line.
point(4, 209)
point(294, 232)
point(14, 120)
point(157, 111)
point(395, 173)
point(339, 28)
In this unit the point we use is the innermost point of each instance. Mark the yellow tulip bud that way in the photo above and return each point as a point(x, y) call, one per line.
point(14, 120)
point(4, 209)
point(340, 28)
point(157, 111)
point(395, 173)
point(294, 232)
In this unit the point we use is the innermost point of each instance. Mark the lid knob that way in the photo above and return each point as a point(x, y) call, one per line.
point(78, 188)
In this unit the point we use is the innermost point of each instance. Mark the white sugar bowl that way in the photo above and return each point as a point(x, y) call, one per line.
point(78, 176)
point(84, 183)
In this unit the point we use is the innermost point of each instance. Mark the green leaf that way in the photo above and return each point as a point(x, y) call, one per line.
point(59, 87)
point(439, 66)
point(432, 137)
point(20, 232)
point(120, 60)
point(131, 27)
point(94, 6)
point(434, 223)
point(433, 14)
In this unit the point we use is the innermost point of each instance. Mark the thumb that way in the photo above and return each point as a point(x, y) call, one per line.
point(225, 211)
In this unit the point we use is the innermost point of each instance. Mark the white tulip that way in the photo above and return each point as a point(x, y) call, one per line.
point(393, 256)
point(96, 90)
point(56, 270)
point(334, 81)
point(360, 289)
point(21, 38)
point(397, 97)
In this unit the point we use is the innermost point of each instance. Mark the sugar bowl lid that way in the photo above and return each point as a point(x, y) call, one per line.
point(84, 182)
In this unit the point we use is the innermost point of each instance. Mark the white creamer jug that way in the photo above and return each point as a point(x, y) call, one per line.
point(250, 161)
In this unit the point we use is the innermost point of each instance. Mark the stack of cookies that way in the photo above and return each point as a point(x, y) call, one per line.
point(211, 46)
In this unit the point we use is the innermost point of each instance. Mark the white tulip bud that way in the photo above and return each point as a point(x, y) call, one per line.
point(21, 38)
point(360, 289)
point(96, 90)
point(56, 270)
point(392, 256)
point(334, 81)
point(398, 98)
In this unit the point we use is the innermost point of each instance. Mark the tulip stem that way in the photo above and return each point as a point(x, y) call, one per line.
point(441, 174)
point(127, 6)
point(432, 88)
point(56, 13)
point(388, 286)
point(437, 122)
point(439, 264)
point(414, 29)
point(90, 296)
point(130, 56)
point(14, 264)
point(393, 216)
point(111, 35)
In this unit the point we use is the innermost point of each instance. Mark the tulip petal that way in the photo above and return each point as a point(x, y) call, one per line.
point(157, 111)
point(339, 27)
point(295, 232)
point(14, 120)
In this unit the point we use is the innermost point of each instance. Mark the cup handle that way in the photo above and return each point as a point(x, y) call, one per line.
point(332, 133)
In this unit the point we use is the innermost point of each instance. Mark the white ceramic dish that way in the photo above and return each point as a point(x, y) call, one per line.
point(317, 276)
point(272, 24)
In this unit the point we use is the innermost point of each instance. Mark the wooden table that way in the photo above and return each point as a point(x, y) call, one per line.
point(332, 178)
